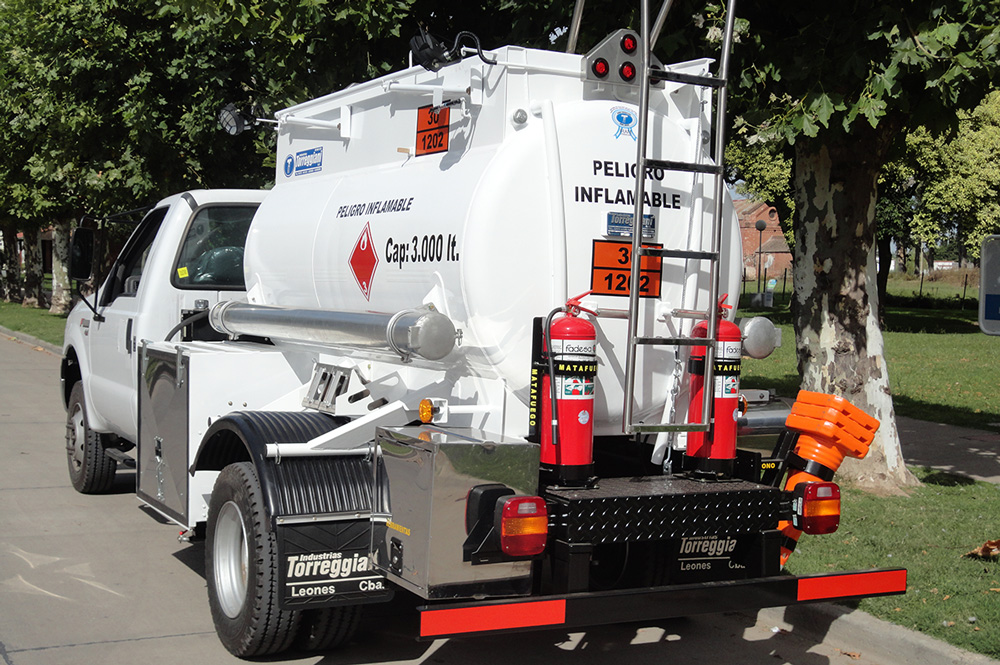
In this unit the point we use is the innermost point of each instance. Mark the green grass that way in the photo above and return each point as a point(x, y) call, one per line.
point(35, 322)
point(950, 285)
point(941, 367)
point(950, 597)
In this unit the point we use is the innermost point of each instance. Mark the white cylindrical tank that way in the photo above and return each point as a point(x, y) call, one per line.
point(528, 205)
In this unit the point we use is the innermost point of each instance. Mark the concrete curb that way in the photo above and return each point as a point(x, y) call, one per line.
point(856, 631)
point(25, 338)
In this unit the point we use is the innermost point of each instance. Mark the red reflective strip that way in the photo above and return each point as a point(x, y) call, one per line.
point(492, 617)
point(855, 584)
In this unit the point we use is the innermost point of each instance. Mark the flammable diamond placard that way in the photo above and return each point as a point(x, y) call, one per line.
point(363, 262)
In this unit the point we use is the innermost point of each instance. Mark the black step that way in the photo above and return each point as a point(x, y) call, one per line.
point(690, 167)
point(661, 507)
point(677, 253)
point(125, 460)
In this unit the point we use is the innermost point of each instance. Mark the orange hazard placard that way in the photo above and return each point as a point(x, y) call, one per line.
point(611, 270)
point(432, 130)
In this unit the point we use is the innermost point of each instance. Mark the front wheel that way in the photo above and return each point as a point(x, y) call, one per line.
point(241, 568)
point(90, 470)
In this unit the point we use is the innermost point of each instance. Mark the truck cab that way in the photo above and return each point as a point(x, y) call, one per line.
point(184, 256)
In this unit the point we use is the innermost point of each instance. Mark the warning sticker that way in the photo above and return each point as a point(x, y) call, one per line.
point(363, 261)
point(612, 265)
point(432, 130)
point(727, 386)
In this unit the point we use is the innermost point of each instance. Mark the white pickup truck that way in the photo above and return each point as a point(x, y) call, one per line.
point(191, 244)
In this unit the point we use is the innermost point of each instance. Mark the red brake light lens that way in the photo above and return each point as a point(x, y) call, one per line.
point(816, 507)
point(627, 71)
point(600, 67)
point(524, 526)
point(629, 44)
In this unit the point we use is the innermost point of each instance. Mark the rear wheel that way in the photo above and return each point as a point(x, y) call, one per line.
point(90, 470)
point(241, 568)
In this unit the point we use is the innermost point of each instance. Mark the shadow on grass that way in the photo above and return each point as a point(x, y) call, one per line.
point(932, 322)
point(949, 415)
point(945, 479)
point(783, 386)
point(907, 317)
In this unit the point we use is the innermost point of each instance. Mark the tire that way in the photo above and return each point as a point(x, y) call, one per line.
point(90, 470)
point(327, 628)
point(241, 568)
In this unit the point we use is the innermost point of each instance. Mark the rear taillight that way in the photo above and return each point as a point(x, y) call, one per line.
point(816, 507)
point(524, 526)
point(627, 71)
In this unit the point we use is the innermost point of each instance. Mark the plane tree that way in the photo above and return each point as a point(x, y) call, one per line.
point(839, 83)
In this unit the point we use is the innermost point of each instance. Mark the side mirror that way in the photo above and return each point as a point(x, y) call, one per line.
point(81, 254)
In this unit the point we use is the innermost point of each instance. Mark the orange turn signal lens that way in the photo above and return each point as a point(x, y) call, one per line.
point(426, 410)
point(816, 507)
point(524, 526)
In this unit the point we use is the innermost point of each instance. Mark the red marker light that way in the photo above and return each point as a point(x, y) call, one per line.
point(629, 44)
point(627, 71)
point(600, 68)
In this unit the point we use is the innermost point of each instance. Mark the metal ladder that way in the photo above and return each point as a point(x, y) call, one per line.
point(648, 76)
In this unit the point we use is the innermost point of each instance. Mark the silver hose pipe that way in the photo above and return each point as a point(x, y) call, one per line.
point(424, 331)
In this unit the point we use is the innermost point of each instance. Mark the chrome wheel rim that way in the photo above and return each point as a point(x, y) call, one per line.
point(230, 559)
point(76, 436)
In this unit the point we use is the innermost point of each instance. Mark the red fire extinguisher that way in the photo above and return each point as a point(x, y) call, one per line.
point(714, 452)
point(567, 441)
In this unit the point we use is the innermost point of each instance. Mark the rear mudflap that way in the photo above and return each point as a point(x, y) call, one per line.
point(323, 565)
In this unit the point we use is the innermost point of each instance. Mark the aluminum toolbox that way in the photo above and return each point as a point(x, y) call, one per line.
point(428, 473)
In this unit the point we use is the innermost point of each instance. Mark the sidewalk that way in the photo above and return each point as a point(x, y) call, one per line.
point(969, 452)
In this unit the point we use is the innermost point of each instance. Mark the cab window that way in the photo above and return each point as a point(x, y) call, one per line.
point(128, 269)
point(211, 256)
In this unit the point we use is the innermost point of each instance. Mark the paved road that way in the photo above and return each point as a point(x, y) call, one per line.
point(98, 579)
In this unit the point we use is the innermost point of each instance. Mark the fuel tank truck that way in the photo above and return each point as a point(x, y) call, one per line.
point(473, 346)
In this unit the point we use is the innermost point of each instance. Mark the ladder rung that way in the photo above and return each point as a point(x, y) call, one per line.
point(677, 253)
point(714, 169)
point(678, 427)
point(690, 314)
point(671, 341)
point(677, 77)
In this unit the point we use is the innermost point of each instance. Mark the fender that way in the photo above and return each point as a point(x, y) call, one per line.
point(75, 366)
point(292, 486)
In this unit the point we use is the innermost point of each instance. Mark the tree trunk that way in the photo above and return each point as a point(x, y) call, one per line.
point(34, 296)
point(835, 303)
point(62, 292)
point(11, 263)
point(884, 261)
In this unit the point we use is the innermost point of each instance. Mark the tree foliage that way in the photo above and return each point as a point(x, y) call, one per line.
point(811, 69)
point(959, 175)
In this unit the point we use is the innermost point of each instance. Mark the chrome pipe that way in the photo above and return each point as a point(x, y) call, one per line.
point(424, 332)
